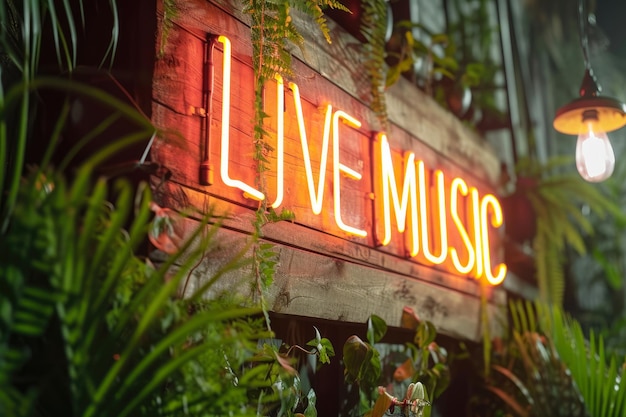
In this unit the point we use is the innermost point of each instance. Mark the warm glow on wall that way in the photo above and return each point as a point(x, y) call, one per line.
point(459, 186)
point(390, 189)
point(316, 197)
point(280, 142)
point(225, 142)
point(443, 220)
point(339, 168)
point(496, 221)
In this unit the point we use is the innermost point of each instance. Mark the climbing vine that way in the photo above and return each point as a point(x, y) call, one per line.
point(170, 13)
point(373, 28)
point(273, 32)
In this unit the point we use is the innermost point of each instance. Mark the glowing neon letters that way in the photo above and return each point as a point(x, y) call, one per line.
point(443, 221)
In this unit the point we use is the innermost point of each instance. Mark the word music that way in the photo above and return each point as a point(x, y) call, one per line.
point(443, 221)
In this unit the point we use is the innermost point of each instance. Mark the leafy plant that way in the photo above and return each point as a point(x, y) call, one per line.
point(170, 13)
point(272, 30)
point(69, 263)
point(286, 389)
point(557, 199)
point(426, 367)
point(437, 53)
point(532, 381)
point(88, 326)
point(362, 364)
point(597, 374)
point(475, 36)
point(373, 29)
point(413, 403)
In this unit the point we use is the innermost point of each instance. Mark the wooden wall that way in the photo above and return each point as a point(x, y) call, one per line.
point(322, 272)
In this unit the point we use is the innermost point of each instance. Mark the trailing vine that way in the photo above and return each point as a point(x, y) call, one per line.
point(272, 32)
point(170, 13)
point(373, 28)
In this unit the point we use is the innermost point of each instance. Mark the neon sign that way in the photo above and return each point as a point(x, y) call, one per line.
point(444, 221)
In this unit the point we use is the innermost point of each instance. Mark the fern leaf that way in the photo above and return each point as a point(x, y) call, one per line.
point(315, 9)
point(373, 29)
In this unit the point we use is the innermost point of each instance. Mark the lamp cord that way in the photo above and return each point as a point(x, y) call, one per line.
point(583, 21)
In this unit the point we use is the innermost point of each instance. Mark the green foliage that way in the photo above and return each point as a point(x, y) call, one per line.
point(474, 36)
point(322, 347)
point(373, 29)
point(597, 374)
point(459, 56)
point(534, 381)
point(413, 404)
point(282, 392)
point(66, 248)
point(361, 360)
point(88, 327)
point(362, 364)
point(557, 199)
point(315, 9)
point(272, 31)
point(527, 374)
point(413, 50)
point(430, 362)
point(170, 13)
point(427, 365)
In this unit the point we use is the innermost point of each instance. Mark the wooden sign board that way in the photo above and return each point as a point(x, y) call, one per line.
point(383, 220)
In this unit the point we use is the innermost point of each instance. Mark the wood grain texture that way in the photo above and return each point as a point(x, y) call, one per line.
point(323, 272)
point(316, 285)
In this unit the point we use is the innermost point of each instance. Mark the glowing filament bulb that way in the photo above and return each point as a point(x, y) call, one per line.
point(595, 159)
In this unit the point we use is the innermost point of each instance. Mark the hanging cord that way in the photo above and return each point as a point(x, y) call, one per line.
point(583, 23)
point(206, 168)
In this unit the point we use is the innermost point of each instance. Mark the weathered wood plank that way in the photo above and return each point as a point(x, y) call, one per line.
point(340, 63)
point(315, 241)
point(315, 285)
point(323, 273)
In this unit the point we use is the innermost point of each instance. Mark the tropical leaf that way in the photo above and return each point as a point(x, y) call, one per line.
point(597, 375)
point(88, 326)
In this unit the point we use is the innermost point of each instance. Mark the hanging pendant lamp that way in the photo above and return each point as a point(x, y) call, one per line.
point(590, 117)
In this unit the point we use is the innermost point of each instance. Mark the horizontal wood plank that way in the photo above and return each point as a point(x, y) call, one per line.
point(317, 285)
point(321, 273)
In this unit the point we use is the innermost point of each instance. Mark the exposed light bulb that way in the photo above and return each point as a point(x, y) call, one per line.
point(595, 159)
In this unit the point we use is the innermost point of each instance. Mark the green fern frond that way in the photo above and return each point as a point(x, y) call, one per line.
point(170, 13)
point(315, 9)
point(557, 199)
point(539, 245)
point(550, 274)
point(272, 31)
point(373, 28)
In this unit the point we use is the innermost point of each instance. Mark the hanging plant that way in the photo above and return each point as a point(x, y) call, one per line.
point(272, 31)
point(374, 30)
